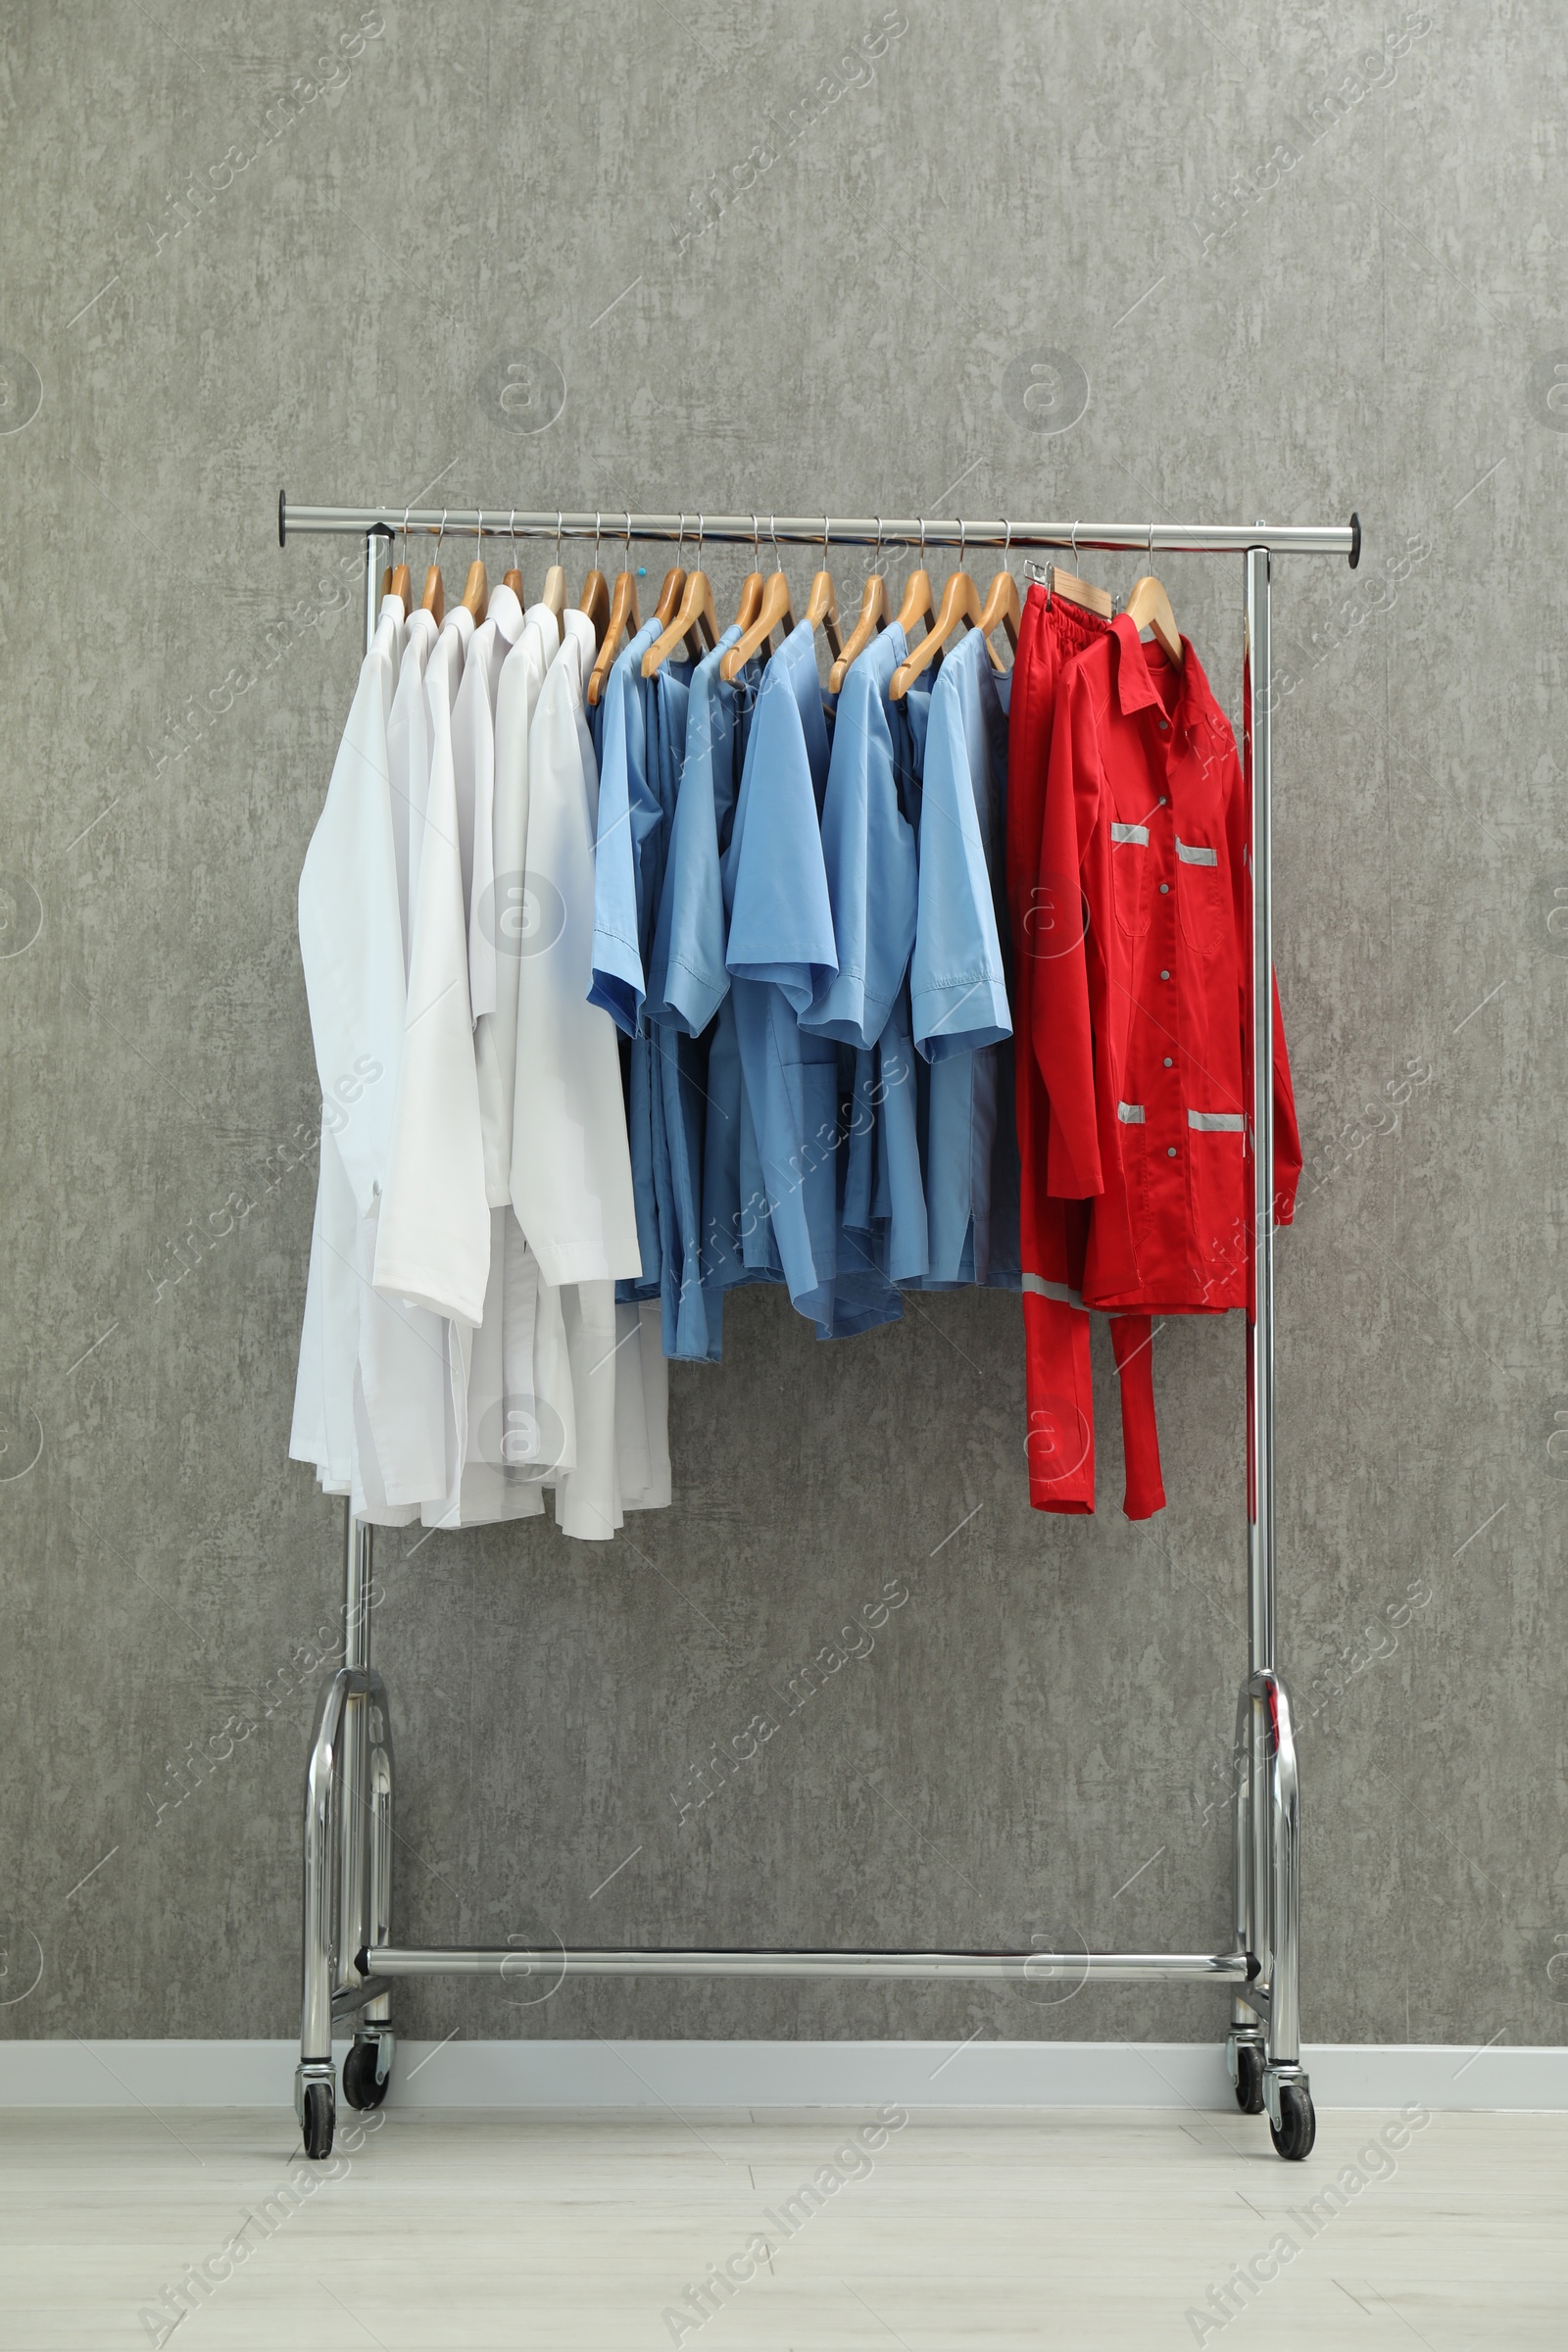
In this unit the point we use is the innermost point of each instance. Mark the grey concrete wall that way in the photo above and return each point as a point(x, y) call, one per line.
point(1060, 260)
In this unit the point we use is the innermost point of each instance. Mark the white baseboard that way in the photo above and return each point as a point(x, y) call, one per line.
point(779, 2076)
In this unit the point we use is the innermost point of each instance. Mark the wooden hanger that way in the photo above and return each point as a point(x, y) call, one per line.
point(595, 602)
point(751, 603)
point(874, 615)
point(554, 593)
point(961, 601)
point(671, 589)
point(1002, 609)
point(694, 621)
point(822, 604)
point(1148, 608)
point(622, 617)
point(595, 597)
point(916, 604)
point(476, 587)
point(775, 611)
point(434, 598)
point(1078, 592)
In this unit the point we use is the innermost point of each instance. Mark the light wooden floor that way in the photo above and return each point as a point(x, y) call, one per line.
point(1062, 2229)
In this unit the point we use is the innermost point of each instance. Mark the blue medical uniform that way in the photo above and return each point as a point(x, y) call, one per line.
point(782, 959)
point(625, 854)
point(870, 819)
point(957, 984)
point(691, 1006)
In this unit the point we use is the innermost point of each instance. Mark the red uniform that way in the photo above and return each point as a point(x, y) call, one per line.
point(1132, 922)
point(1141, 1023)
point(1045, 910)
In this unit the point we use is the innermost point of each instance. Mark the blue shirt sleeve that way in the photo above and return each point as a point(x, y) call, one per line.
point(628, 813)
point(869, 856)
point(780, 920)
point(689, 981)
point(959, 997)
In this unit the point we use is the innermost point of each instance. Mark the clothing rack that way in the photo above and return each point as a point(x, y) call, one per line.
point(349, 1963)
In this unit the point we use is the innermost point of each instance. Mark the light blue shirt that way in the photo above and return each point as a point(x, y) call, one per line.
point(628, 822)
point(781, 956)
point(869, 810)
point(712, 1155)
point(958, 984)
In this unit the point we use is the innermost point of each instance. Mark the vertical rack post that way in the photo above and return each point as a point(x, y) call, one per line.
point(354, 1850)
point(1260, 1228)
point(1268, 1827)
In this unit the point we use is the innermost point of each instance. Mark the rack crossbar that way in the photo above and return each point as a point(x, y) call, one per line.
point(810, 531)
point(515, 1962)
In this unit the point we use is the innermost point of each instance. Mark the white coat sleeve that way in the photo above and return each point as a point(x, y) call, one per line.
point(570, 1160)
point(351, 941)
point(433, 1239)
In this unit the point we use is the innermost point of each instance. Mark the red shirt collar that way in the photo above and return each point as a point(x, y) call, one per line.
point(1135, 688)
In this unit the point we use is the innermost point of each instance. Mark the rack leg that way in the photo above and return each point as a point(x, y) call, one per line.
point(1244, 2044)
point(368, 2068)
point(314, 2092)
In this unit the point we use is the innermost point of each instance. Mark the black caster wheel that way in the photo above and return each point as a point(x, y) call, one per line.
point(1249, 2078)
point(1292, 2135)
point(361, 2087)
point(318, 2121)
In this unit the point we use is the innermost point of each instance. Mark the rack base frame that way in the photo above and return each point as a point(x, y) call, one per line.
point(348, 1963)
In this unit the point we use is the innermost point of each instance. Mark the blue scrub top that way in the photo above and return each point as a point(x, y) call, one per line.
point(782, 957)
point(725, 1236)
point(957, 984)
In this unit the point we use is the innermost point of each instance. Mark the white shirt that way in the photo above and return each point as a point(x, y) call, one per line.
point(473, 757)
point(571, 1164)
point(522, 674)
point(434, 1247)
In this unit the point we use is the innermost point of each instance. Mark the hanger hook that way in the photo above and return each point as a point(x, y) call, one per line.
point(922, 543)
point(772, 532)
point(757, 546)
point(1075, 545)
point(825, 543)
point(627, 510)
point(478, 531)
point(1006, 546)
point(406, 514)
point(558, 535)
point(876, 562)
point(964, 541)
point(699, 538)
point(1150, 543)
point(599, 531)
point(515, 565)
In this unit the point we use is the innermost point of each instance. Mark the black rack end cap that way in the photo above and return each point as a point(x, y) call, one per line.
point(1355, 540)
point(282, 520)
point(362, 1960)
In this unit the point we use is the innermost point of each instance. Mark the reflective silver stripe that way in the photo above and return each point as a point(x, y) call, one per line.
point(1131, 1114)
point(1215, 1122)
point(1137, 833)
point(1191, 856)
point(1040, 1287)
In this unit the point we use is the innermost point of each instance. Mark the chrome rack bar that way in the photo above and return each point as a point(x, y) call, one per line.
point(516, 1963)
point(500, 521)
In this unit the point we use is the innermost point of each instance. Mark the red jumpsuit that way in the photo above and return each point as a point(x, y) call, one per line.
point(1138, 1018)
point(1045, 913)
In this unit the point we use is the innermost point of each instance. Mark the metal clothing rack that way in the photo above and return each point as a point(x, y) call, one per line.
point(350, 1962)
